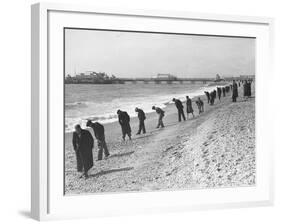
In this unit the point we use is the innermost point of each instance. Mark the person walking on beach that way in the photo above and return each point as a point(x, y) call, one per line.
point(219, 93)
point(189, 109)
point(99, 134)
point(161, 114)
point(234, 91)
point(141, 116)
point(200, 105)
point(208, 96)
point(124, 121)
point(179, 106)
point(83, 144)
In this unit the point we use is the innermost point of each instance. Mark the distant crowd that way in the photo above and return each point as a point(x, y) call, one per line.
point(83, 141)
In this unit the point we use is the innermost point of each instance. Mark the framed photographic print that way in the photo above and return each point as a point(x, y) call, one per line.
point(139, 111)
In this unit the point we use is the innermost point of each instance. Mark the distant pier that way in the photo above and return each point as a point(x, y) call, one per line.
point(166, 81)
point(102, 78)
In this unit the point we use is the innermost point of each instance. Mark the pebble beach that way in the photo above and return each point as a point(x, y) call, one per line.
point(214, 149)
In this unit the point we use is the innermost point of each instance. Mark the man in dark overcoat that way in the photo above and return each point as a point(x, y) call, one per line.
point(245, 88)
point(208, 96)
point(179, 106)
point(219, 92)
point(124, 121)
point(83, 144)
point(161, 114)
point(234, 91)
point(212, 97)
point(142, 117)
point(249, 88)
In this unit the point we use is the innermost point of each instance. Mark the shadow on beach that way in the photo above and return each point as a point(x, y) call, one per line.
point(101, 173)
point(122, 154)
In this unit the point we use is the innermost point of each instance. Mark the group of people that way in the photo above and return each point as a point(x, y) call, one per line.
point(222, 91)
point(189, 109)
point(83, 142)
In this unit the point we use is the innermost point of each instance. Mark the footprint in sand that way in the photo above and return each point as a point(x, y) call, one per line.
point(205, 143)
point(169, 148)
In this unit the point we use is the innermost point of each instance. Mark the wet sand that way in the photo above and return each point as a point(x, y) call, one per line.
point(214, 149)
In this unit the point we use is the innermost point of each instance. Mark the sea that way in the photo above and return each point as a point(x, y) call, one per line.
point(100, 102)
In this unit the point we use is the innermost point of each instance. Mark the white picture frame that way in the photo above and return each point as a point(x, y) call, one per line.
point(47, 202)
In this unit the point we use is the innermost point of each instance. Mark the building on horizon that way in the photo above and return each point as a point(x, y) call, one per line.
point(164, 77)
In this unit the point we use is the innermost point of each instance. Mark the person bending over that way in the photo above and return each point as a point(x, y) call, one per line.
point(179, 106)
point(124, 121)
point(161, 114)
point(100, 136)
point(142, 117)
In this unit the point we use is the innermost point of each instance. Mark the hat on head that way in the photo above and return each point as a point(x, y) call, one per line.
point(77, 126)
point(89, 122)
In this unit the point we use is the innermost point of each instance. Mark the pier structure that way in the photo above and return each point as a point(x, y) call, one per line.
point(102, 78)
point(163, 80)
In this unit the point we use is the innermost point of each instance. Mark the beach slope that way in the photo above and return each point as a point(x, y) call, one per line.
point(215, 149)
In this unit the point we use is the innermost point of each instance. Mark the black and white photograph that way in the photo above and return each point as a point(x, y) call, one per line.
point(150, 111)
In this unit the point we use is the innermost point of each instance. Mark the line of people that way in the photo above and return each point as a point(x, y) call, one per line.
point(83, 142)
point(222, 91)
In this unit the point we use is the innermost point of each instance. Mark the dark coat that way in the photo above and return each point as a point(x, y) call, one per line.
point(98, 130)
point(159, 111)
point(235, 90)
point(124, 121)
point(249, 89)
point(141, 115)
point(179, 104)
point(245, 89)
point(223, 91)
point(189, 108)
point(208, 96)
point(212, 96)
point(219, 92)
point(83, 145)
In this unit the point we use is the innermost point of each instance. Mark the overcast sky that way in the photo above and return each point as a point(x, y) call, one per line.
point(130, 54)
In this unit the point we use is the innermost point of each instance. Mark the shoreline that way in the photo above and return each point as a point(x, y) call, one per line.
point(170, 112)
point(166, 158)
